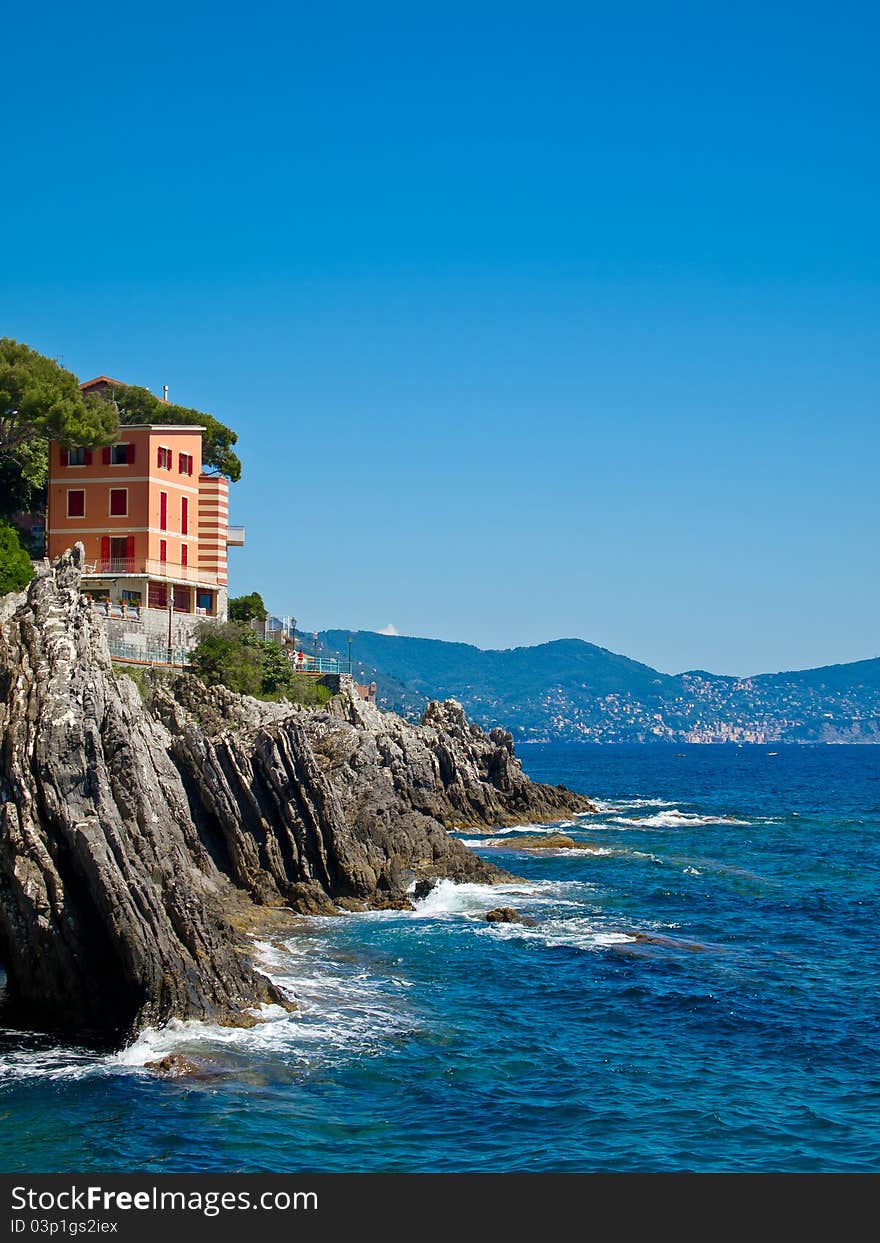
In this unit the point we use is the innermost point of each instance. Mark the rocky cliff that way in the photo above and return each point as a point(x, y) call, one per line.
point(133, 826)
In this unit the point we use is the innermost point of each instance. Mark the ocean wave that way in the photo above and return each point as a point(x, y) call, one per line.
point(675, 819)
point(30, 1058)
point(579, 932)
point(450, 899)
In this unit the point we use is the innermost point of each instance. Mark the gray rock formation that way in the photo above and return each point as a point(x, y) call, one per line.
point(131, 832)
point(109, 901)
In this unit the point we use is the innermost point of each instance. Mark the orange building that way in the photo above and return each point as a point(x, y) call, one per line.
point(154, 526)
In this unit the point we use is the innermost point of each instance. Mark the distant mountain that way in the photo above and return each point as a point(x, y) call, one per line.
point(573, 690)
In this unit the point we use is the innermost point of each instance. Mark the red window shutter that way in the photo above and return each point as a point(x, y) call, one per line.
point(88, 457)
point(129, 548)
point(180, 463)
point(184, 516)
point(189, 463)
point(105, 456)
point(130, 454)
point(163, 550)
point(62, 457)
point(163, 511)
point(105, 549)
point(159, 458)
point(184, 554)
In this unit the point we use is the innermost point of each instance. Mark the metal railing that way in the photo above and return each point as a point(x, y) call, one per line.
point(149, 565)
point(148, 654)
point(319, 664)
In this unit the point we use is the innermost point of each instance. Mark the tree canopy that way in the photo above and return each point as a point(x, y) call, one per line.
point(39, 402)
point(246, 608)
point(138, 405)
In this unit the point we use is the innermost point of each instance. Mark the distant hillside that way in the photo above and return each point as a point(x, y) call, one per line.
point(573, 690)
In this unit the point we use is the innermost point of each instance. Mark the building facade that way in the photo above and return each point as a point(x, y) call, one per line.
point(154, 525)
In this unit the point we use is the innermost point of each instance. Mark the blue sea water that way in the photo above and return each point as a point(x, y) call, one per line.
point(742, 1036)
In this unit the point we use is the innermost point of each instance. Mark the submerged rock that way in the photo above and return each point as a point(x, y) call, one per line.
point(133, 835)
point(541, 841)
point(173, 1066)
point(507, 915)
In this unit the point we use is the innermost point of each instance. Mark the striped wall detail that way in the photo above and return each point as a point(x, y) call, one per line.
point(213, 525)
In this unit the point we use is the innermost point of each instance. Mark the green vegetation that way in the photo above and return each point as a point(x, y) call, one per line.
point(234, 656)
point(16, 570)
point(39, 402)
point(247, 608)
point(137, 674)
point(132, 404)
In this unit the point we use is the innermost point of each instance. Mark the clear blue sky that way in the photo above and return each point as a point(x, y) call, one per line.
point(535, 320)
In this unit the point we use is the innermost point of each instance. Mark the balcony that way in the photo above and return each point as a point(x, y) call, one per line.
point(235, 537)
point(119, 567)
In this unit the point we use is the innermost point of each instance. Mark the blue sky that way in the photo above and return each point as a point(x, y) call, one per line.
point(535, 321)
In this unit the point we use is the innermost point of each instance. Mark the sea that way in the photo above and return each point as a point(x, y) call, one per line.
point(697, 991)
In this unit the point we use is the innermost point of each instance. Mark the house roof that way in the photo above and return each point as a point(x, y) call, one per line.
point(101, 379)
point(106, 379)
point(160, 427)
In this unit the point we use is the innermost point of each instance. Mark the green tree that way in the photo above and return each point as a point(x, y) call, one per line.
point(229, 655)
point(138, 405)
point(16, 570)
point(39, 402)
point(247, 608)
point(277, 670)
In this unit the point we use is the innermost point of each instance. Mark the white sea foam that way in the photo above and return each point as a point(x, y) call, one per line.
point(60, 1063)
point(449, 899)
point(342, 1009)
point(578, 932)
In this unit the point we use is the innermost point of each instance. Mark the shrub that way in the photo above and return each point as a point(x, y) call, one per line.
point(230, 655)
point(16, 570)
point(234, 656)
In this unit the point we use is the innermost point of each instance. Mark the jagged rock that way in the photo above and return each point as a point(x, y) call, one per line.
point(507, 915)
point(109, 901)
point(172, 1066)
point(131, 832)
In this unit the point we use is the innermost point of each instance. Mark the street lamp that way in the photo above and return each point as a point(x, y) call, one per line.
point(170, 591)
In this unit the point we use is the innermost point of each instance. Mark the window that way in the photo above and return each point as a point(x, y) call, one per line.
point(205, 602)
point(157, 596)
point(76, 457)
point(184, 516)
point(163, 550)
point(76, 504)
point(185, 464)
point(118, 502)
point(184, 554)
point(163, 511)
point(121, 455)
point(163, 458)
